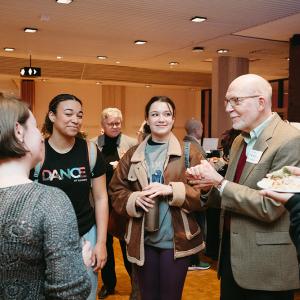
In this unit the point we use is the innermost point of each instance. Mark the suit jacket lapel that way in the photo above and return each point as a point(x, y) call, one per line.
point(260, 145)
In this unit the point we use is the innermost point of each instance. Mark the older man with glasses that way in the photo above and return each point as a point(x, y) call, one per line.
point(113, 144)
point(257, 258)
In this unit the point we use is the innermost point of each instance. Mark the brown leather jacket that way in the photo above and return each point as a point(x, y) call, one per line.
point(130, 177)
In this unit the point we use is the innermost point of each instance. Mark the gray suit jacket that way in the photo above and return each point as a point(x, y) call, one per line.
point(262, 254)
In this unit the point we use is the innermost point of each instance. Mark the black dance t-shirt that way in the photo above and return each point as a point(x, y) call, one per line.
point(71, 172)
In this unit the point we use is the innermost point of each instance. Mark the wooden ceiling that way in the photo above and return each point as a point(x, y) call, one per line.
point(256, 29)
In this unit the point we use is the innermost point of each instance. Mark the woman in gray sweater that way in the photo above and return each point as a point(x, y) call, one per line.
point(40, 255)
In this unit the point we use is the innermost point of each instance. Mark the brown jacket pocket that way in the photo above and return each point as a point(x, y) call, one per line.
point(191, 228)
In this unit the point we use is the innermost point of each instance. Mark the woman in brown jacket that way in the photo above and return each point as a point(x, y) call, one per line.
point(149, 187)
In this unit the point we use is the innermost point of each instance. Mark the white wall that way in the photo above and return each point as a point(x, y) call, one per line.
point(89, 93)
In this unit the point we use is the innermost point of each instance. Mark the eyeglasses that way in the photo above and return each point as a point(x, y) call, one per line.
point(113, 124)
point(235, 101)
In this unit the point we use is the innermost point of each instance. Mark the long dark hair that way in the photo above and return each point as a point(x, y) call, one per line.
point(227, 139)
point(48, 125)
point(164, 99)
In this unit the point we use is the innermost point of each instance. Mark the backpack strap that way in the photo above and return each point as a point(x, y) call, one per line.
point(187, 154)
point(92, 150)
point(37, 170)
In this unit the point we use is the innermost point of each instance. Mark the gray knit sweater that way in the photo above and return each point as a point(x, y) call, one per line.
point(40, 254)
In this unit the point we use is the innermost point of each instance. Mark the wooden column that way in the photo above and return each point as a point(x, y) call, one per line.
point(28, 92)
point(293, 114)
point(225, 69)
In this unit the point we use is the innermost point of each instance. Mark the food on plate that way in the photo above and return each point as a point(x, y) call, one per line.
point(281, 180)
point(283, 172)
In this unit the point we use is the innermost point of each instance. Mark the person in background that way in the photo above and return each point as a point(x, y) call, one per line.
point(149, 188)
point(67, 166)
point(257, 257)
point(213, 213)
point(113, 145)
point(40, 254)
point(194, 131)
point(292, 204)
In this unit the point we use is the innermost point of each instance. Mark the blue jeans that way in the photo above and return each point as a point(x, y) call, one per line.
point(91, 236)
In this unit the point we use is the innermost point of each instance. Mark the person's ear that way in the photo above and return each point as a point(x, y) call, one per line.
point(51, 116)
point(261, 103)
point(19, 132)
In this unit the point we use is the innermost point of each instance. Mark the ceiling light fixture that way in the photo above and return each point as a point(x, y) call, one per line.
point(30, 71)
point(222, 51)
point(173, 63)
point(118, 62)
point(148, 85)
point(30, 30)
point(198, 19)
point(140, 42)
point(59, 57)
point(98, 82)
point(64, 1)
point(101, 57)
point(198, 49)
point(9, 49)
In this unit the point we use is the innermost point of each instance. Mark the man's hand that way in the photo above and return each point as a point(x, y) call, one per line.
point(203, 175)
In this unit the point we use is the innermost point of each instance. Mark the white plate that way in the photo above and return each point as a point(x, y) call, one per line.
point(266, 184)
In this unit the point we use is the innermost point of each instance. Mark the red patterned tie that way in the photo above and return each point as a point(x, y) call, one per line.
point(240, 165)
point(237, 176)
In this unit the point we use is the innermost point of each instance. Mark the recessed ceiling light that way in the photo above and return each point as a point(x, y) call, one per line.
point(118, 62)
point(59, 57)
point(198, 19)
point(44, 18)
point(30, 30)
point(208, 60)
point(148, 85)
point(101, 57)
point(98, 82)
point(64, 1)
point(222, 51)
point(173, 63)
point(140, 42)
point(9, 49)
point(198, 49)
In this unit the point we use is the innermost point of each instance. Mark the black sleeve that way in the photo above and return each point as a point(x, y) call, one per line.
point(293, 205)
point(100, 165)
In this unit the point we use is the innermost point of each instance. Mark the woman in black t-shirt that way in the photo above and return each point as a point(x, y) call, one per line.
point(66, 166)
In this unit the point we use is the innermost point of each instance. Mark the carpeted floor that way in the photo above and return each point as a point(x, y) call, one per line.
point(202, 284)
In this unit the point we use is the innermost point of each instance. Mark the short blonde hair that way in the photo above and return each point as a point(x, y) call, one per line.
point(111, 112)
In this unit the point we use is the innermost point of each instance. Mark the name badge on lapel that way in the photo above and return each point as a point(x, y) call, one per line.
point(254, 156)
